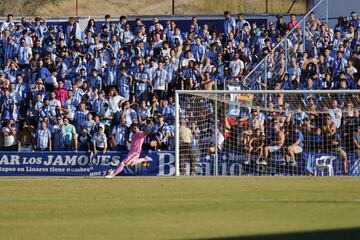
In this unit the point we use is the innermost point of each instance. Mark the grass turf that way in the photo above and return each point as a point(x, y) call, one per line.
point(177, 208)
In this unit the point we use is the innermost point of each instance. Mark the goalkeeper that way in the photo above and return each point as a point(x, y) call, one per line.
point(133, 156)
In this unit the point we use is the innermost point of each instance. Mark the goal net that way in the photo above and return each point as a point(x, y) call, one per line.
point(267, 132)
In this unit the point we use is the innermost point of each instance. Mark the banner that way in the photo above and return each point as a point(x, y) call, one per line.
point(163, 164)
point(80, 164)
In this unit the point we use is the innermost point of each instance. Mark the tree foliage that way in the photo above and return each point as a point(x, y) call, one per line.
point(24, 7)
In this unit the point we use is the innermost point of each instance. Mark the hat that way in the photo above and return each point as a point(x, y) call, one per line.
point(101, 125)
point(2, 73)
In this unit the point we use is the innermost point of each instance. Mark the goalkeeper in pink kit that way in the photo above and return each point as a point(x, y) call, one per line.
point(133, 156)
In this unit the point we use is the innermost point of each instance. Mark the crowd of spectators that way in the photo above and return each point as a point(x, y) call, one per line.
point(81, 89)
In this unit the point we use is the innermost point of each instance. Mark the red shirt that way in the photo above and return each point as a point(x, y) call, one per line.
point(291, 25)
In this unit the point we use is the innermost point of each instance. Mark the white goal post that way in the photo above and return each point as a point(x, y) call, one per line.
point(267, 132)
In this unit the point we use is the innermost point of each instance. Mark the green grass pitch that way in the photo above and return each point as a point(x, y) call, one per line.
point(254, 208)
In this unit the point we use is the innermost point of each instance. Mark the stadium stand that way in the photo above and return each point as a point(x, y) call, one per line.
point(58, 89)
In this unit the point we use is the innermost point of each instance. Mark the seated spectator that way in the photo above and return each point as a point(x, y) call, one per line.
point(275, 144)
point(294, 143)
point(332, 142)
point(84, 140)
point(99, 140)
point(255, 146)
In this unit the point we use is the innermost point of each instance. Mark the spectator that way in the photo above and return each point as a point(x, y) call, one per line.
point(58, 135)
point(26, 137)
point(255, 146)
point(70, 136)
point(146, 66)
point(99, 140)
point(229, 24)
point(43, 138)
point(186, 148)
point(275, 144)
point(84, 140)
point(120, 136)
point(10, 136)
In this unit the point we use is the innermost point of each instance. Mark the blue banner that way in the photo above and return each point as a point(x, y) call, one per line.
point(163, 164)
point(81, 164)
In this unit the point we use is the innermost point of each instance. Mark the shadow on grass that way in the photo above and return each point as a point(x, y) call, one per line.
point(336, 234)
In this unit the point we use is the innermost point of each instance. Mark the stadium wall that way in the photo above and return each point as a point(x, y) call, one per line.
point(163, 164)
point(339, 8)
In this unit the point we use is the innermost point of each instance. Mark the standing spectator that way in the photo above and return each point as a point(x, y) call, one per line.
point(241, 22)
point(61, 93)
point(89, 123)
point(162, 132)
point(339, 64)
point(293, 22)
point(58, 135)
point(120, 135)
point(160, 83)
point(24, 55)
point(70, 136)
point(198, 50)
point(43, 138)
point(81, 116)
point(9, 135)
point(236, 66)
point(51, 81)
point(8, 25)
point(229, 24)
point(26, 137)
point(73, 30)
point(115, 100)
point(335, 113)
point(186, 150)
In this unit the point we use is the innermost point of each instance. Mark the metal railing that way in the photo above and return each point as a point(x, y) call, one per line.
point(299, 39)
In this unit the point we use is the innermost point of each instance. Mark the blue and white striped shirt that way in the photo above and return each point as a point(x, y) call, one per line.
point(80, 119)
point(43, 138)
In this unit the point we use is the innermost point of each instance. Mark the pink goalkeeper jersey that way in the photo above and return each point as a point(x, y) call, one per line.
point(136, 143)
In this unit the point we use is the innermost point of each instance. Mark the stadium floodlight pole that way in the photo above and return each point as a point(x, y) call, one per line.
point(177, 137)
